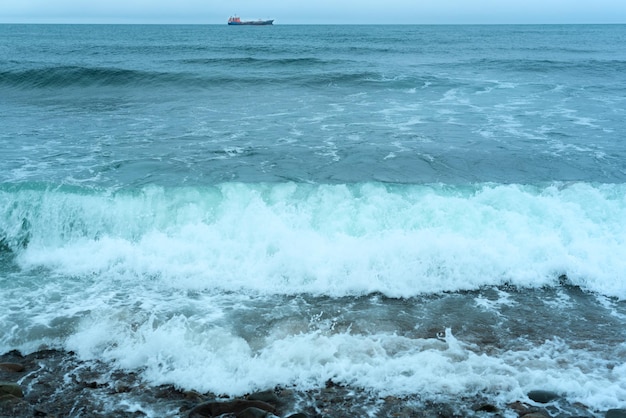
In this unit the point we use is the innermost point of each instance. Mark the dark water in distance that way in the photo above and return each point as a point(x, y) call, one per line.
point(406, 209)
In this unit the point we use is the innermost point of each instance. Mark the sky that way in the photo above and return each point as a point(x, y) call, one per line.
point(314, 11)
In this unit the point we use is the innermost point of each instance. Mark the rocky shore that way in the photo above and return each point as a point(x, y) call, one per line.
point(53, 383)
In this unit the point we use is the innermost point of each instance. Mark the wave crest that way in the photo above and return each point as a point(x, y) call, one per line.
point(330, 239)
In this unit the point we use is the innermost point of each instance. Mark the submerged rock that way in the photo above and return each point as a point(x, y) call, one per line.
point(542, 396)
point(616, 413)
point(9, 388)
point(487, 408)
point(12, 367)
point(254, 413)
point(217, 408)
point(8, 398)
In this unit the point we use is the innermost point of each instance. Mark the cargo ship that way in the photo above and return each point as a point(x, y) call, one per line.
point(235, 20)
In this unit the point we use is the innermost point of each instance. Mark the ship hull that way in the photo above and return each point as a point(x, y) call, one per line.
point(252, 23)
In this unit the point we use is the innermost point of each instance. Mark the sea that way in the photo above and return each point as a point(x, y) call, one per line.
point(418, 211)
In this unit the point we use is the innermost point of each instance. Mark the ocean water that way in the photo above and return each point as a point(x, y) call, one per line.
point(430, 211)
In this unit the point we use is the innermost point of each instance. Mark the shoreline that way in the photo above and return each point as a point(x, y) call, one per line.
point(54, 383)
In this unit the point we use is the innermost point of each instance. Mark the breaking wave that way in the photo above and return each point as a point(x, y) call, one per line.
point(338, 240)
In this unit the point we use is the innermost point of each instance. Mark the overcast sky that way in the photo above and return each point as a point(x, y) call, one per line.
point(314, 11)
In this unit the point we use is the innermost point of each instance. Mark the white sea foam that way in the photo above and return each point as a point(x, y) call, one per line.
point(438, 368)
point(336, 240)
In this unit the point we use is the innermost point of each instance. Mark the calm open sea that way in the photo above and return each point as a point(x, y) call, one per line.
point(432, 210)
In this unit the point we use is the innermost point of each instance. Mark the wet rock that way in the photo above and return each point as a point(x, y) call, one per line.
point(519, 407)
point(6, 398)
point(10, 406)
point(298, 415)
point(536, 415)
point(121, 388)
point(215, 408)
point(93, 385)
point(542, 396)
point(13, 389)
point(487, 408)
point(330, 384)
point(168, 392)
point(526, 410)
point(254, 413)
point(194, 396)
point(405, 412)
point(575, 410)
point(12, 367)
point(616, 413)
point(267, 396)
point(39, 413)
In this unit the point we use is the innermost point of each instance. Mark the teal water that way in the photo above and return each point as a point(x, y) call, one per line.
point(126, 106)
point(405, 209)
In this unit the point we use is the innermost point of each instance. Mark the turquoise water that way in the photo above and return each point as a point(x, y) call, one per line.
point(406, 209)
point(126, 106)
